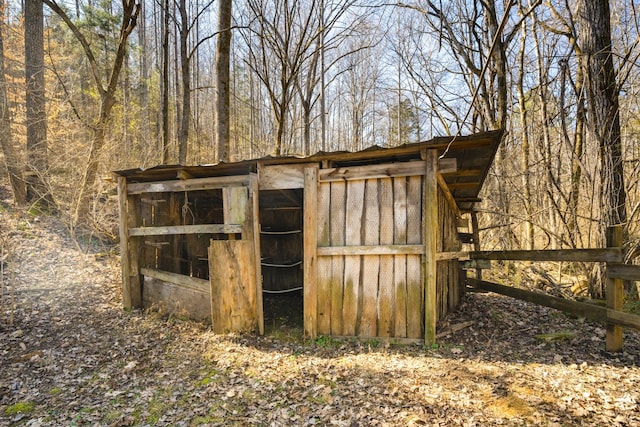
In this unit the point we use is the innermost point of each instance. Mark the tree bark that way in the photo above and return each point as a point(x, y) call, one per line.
point(165, 82)
point(185, 118)
point(223, 54)
point(14, 166)
point(37, 190)
point(602, 93)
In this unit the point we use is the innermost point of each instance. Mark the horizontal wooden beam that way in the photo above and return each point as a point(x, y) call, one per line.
point(575, 255)
point(372, 171)
point(192, 283)
point(624, 271)
point(463, 185)
point(446, 256)
point(371, 250)
point(186, 229)
point(281, 177)
point(386, 170)
point(461, 173)
point(211, 183)
point(589, 311)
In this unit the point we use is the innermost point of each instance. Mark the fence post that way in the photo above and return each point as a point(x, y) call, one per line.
point(615, 293)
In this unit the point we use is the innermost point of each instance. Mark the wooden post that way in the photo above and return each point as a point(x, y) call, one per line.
point(255, 217)
point(430, 230)
point(310, 246)
point(129, 249)
point(615, 294)
point(476, 239)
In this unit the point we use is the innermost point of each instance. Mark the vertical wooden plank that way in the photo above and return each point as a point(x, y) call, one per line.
point(123, 229)
point(129, 248)
point(615, 295)
point(415, 281)
point(430, 218)
point(324, 262)
point(233, 286)
point(400, 261)
point(255, 232)
point(386, 295)
point(310, 235)
point(370, 263)
point(234, 204)
point(338, 216)
point(475, 230)
point(353, 228)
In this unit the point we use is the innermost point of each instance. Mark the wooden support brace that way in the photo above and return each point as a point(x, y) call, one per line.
point(615, 295)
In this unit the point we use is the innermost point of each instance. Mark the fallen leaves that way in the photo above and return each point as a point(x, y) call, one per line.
point(78, 359)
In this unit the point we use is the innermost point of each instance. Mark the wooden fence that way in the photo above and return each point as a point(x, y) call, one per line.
point(616, 272)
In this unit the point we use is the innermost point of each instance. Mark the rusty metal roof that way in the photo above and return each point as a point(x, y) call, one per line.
point(474, 155)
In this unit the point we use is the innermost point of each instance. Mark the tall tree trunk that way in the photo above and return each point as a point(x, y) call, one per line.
point(524, 120)
point(37, 157)
point(14, 166)
point(603, 110)
point(165, 82)
point(185, 120)
point(223, 54)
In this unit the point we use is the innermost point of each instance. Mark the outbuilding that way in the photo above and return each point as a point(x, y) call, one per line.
point(370, 239)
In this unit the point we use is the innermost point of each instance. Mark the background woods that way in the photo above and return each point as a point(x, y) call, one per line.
point(117, 84)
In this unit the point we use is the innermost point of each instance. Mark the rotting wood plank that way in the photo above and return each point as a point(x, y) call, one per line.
point(188, 282)
point(370, 264)
point(589, 311)
point(386, 286)
point(353, 227)
point(234, 204)
point(338, 217)
point(186, 229)
point(310, 235)
point(210, 183)
point(324, 263)
point(431, 227)
point(233, 287)
point(577, 255)
point(400, 261)
point(282, 177)
point(371, 250)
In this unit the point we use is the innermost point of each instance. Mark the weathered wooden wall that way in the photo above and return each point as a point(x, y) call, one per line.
point(449, 284)
point(370, 279)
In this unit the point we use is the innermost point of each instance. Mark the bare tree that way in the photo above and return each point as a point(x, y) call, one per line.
point(223, 55)
point(37, 157)
point(107, 93)
point(11, 155)
point(602, 91)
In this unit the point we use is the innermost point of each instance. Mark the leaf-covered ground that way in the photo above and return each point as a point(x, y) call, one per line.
point(70, 356)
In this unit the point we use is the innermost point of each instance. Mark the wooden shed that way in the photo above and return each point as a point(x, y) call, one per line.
point(370, 239)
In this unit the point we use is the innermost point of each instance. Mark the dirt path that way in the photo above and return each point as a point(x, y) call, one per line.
point(72, 357)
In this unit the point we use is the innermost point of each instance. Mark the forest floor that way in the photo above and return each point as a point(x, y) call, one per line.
point(70, 356)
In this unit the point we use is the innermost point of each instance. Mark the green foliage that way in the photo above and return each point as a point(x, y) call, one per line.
point(19, 408)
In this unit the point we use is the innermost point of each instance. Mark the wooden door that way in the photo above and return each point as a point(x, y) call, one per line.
point(234, 265)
